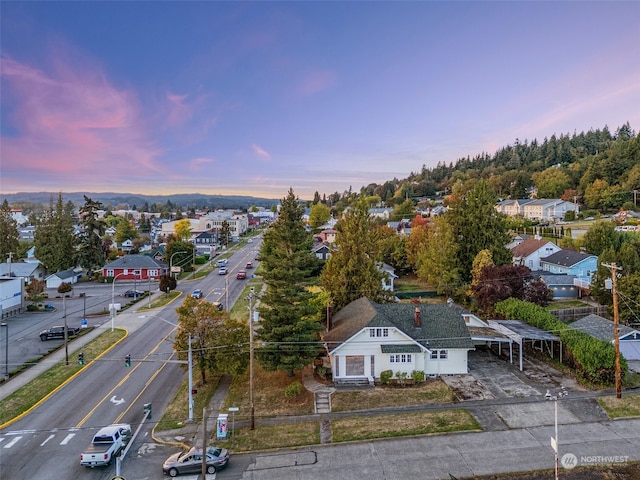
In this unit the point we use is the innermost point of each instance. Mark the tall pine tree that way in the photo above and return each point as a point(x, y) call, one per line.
point(90, 253)
point(9, 237)
point(289, 332)
point(353, 270)
point(54, 239)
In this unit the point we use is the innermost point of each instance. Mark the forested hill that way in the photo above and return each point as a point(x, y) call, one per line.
point(131, 200)
point(599, 169)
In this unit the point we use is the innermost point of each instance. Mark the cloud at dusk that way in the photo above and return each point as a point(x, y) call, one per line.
point(258, 97)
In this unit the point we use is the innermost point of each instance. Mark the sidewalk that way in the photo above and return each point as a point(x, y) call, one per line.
point(129, 321)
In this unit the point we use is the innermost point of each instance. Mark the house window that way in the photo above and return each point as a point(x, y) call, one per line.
point(152, 273)
point(110, 273)
point(354, 365)
point(137, 272)
point(441, 354)
point(379, 332)
point(400, 358)
point(373, 364)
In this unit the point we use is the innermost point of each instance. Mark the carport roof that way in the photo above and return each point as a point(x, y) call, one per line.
point(524, 330)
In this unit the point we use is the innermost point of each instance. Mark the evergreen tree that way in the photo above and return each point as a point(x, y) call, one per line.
point(9, 237)
point(352, 270)
point(290, 327)
point(90, 253)
point(225, 233)
point(54, 239)
point(478, 226)
point(437, 262)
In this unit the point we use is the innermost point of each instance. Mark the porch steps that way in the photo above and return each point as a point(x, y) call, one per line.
point(322, 402)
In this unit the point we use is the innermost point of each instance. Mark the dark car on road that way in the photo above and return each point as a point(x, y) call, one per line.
point(133, 294)
point(191, 461)
point(57, 332)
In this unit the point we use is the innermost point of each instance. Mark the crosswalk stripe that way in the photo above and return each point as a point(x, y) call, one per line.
point(48, 438)
point(12, 442)
point(67, 438)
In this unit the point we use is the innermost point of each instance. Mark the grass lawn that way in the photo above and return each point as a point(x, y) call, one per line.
point(269, 397)
point(627, 406)
point(177, 412)
point(429, 392)
point(358, 428)
point(26, 397)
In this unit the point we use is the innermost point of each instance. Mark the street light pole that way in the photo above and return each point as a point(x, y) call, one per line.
point(252, 424)
point(190, 362)
point(113, 296)
point(171, 261)
point(554, 440)
point(190, 357)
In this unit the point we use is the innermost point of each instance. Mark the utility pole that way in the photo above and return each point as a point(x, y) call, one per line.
point(204, 443)
point(252, 424)
point(66, 333)
point(616, 336)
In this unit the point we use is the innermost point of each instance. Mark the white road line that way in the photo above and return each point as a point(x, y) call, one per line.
point(48, 438)
point(12, 442)
point(2, 439)
point(67, 438)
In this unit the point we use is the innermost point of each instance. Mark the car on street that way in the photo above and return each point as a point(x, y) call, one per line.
point(197, 293)
point(250, 240)
point(133, 294)
point(222, 271)
point(241, 275)
point(57, 332)
point(191, 461)
point(249, 265)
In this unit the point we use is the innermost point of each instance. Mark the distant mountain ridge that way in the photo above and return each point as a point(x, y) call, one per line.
point(183, 200)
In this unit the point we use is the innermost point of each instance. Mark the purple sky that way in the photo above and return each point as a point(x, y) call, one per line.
point(253, 98)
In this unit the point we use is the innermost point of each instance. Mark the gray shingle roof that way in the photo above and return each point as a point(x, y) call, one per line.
point(442, 325)
point(566, 258)
point(136, 262)
point(600, 327)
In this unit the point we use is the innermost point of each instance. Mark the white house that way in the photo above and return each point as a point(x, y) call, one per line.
point(366, 338)
point(529, 252)
point(65, 276)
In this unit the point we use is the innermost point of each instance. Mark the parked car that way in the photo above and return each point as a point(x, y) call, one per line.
point(249, 264)
point(191, 461)
point(197, 293)
point(133, 294)
point(222, 271)
point(57, 332)
point(241, 275)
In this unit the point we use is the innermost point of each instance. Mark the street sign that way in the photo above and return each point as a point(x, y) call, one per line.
point(233, 409)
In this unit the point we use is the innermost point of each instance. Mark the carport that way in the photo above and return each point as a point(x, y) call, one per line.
point(519, 332)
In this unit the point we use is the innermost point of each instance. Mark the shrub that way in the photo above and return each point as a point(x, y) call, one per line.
point(385, 377)
point(418, 376)
point(293, 390)
point(402, 377)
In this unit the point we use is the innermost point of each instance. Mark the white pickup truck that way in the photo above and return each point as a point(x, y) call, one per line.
point(106, 445)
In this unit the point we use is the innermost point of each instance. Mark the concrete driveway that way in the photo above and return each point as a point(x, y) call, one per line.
point(493, 378)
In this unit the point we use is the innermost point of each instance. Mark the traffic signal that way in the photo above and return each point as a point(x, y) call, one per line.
point(81, 358)
point(127, 361)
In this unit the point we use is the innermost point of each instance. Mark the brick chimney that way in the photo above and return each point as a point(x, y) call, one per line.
point(416, 318)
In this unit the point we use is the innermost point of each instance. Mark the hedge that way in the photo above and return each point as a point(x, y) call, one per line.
point(592, 358)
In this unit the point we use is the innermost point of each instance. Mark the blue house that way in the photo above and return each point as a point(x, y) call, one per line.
point(582, 265)
point(568, 273)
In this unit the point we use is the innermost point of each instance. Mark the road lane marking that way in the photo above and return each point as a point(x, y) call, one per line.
point(67, 439)
point(13, 442)
point(48, 438)
point(122, 382)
